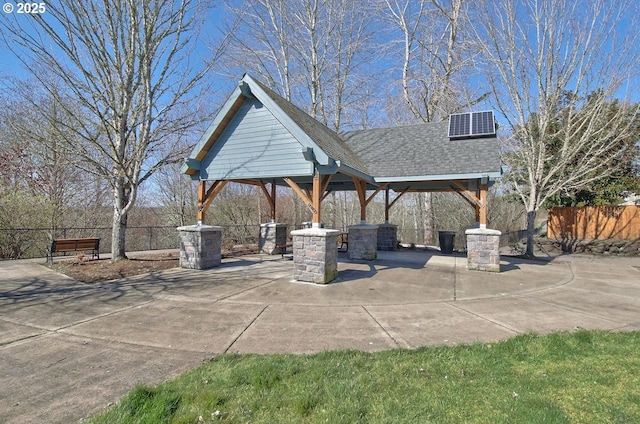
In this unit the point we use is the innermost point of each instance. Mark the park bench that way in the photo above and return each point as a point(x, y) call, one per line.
point(343, 241)
point(74, 245)
point(283, 248)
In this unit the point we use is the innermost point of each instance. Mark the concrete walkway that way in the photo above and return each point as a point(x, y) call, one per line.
point(68, 350)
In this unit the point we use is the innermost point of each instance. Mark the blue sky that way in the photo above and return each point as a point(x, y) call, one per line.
point(11, 66)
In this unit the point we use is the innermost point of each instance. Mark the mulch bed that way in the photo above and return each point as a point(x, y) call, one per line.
point(82, 268)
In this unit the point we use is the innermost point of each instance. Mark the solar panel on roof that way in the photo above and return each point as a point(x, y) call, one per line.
point(472, 124)
point(459, 124)
point(482, 123)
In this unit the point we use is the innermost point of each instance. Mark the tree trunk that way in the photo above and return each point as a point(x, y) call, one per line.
point(531, 218)
point(428, 218)
point(118, 232)
point(120, 215)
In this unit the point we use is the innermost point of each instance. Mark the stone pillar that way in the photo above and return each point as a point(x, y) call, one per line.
point(272, 235)
point(483, 249)
point(387, 236)
point(363, 242)
point(200, 246)
point(315, 255)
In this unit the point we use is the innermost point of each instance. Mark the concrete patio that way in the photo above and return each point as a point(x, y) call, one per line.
point(68, 349)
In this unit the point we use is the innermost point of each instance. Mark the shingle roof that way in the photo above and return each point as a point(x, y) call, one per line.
point(422, 150)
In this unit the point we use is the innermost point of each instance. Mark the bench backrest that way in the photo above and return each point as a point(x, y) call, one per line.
point(68, 245)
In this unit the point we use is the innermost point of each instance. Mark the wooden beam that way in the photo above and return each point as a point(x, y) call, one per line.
point(483, 206)
point(466, 191)
point(406, 190)
point(296, 188)
point(213, 192)
point(477, 200)
point(202, 194)
point(325, 186)
point(375, 193)
point(325, 183)
point(477, 205)
point(361, 189)
point(316, 197)
point(471, 202)
point(249, 182)
point(386, 205)
point(205, 197)
point(271, 198)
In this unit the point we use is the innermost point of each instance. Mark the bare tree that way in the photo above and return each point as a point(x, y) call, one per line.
point(177, 194)
point(30, 154)
point(555, 69)
point(315, 53)
point(122, 71)
point(437, 55)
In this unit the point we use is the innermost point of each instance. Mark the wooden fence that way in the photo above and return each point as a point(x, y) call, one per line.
point(594, 222)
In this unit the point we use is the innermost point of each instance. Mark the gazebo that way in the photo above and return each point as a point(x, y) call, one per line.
point(260, 138)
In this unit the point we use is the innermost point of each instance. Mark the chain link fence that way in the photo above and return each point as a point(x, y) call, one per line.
point(24, 243)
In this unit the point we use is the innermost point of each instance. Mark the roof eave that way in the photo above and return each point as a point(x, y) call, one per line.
point(441, 177)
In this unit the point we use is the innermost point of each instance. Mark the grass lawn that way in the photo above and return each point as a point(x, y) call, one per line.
point(579, 377)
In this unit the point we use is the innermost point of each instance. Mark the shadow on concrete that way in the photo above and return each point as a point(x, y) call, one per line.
point(513, 263)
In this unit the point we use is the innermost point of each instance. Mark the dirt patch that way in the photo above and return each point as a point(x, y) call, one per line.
point(81, 268)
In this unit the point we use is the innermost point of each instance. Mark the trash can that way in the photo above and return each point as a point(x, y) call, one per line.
point(446, 241)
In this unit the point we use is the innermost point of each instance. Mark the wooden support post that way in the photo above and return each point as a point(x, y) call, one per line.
point(273, 201)
point(386, 205)
point(202, 193)
point(313, 199)
point(316, 198)
point(483, 206)
point(361, 189)
point(271, 198)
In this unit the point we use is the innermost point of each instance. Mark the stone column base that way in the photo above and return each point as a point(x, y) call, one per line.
point(200, 246)
point(387, 237)
point(271, 236)
point(363, 242)
point(315, 255)
point(483, 249)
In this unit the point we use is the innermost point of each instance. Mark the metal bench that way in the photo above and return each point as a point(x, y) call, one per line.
point(74, 245)
point(283, 248)
point(343, 241)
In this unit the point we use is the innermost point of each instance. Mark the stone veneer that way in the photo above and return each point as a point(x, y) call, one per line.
point(200, 246)
point(483, 249)
point(363, 242)
point(315, 255)
point(272, 235)
point(387, 236)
